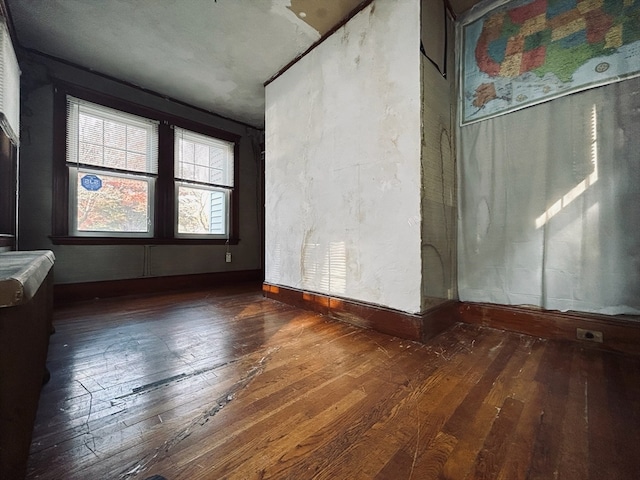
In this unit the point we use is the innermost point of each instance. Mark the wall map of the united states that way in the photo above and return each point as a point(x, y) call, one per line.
point(527, 52)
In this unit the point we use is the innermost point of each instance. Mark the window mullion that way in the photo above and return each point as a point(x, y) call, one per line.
point(165, 209)
point(104, 142)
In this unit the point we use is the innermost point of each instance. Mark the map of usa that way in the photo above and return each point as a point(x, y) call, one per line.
point(531, 51)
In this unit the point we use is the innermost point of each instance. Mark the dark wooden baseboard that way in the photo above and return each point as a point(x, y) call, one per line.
point(417, 327)
point(7, 241)
point(621, 334)
point(74, 292)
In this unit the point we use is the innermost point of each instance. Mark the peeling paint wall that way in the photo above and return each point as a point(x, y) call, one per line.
point(343, 163)
point(438, 161)
point(323, 15)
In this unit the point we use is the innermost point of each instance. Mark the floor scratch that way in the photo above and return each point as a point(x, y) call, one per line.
point(175, 378)
point(415, 453)
point(221, 402)
point(92, 450)
point(175, 354)
point(586, 402)
point(441, 354)
point(383, 350)
point(86, 422)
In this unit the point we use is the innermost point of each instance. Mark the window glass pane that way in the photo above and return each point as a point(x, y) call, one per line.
point(202, 174)
point(136, 162)
point(201, 211)
point(115, 135)
point(91, 129)
point(187, 150)
point(115, 158)
point(136, 139)
point(217, 176)
point(188, 170)
point(201, 154)
point(91, 154)
point(124, 146)
point(218, 159)
point(110, 203)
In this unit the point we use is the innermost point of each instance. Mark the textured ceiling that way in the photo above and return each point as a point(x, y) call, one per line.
point(214, 54)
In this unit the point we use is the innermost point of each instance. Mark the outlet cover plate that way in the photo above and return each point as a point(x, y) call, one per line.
point(589, 335)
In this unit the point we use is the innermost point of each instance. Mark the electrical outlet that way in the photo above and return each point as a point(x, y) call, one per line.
point(589, 335)
point(227, 257)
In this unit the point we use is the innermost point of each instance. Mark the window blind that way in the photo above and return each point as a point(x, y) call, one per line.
point(103, 137)
point(203, 159)
point(9, 86)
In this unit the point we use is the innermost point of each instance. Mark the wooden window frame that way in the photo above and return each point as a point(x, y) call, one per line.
point(164, 199)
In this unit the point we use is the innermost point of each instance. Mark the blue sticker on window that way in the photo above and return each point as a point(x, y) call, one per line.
point(91, 182)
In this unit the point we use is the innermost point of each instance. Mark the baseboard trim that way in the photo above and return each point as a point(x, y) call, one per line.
point(75, 292)
point(620, 334)
point(416, 327)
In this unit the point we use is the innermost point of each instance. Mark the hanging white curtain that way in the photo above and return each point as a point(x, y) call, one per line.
point(549, 204)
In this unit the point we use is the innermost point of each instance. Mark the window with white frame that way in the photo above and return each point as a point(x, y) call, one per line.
point(124, 173)
point(112, 160)
point(204, 182)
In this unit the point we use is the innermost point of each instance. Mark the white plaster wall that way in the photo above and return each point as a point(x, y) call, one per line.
point(343, 163)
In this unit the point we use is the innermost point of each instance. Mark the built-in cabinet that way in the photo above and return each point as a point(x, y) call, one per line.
point(26, 308)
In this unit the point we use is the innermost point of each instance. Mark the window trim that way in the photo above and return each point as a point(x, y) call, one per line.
point(165, 230)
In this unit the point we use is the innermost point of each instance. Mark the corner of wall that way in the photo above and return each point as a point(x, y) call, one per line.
point(438, 160)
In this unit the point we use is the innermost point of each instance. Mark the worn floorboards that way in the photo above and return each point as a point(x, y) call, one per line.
point(227, 384)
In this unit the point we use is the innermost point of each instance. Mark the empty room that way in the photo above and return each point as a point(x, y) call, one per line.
point(319, 239)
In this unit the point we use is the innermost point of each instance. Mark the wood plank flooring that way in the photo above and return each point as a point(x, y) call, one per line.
point(228, 384)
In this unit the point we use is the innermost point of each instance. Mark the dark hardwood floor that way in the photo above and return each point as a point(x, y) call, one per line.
point(227, 384)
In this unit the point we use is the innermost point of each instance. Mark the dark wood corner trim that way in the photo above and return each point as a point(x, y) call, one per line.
point(408, 326)
point(439, 318)
point(620, 333)
point(76, 292)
